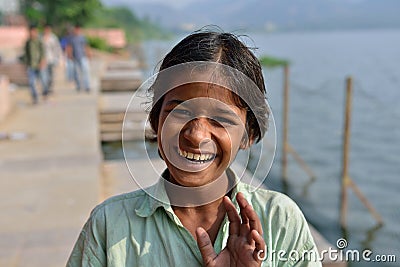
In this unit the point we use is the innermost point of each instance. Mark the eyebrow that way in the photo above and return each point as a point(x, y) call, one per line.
point(183, 103)
point(226, 111)
point(175, 102)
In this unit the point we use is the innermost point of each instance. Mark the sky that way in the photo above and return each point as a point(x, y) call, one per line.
point(174, 3)
point(270, 15)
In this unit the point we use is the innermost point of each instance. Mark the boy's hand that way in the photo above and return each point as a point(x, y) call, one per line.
point(245, 245)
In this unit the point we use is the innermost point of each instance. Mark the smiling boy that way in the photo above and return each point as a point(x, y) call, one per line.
point(208, 103)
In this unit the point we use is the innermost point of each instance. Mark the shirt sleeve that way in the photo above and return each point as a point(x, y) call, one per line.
point(84, 41)
point(291, 241)
point(26, 56)
point(89, 249)
point(41, 51)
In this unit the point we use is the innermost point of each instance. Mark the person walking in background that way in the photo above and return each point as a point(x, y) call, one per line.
point(69, 72)
point(79, 53)
point(52, 50)
point(36, 63)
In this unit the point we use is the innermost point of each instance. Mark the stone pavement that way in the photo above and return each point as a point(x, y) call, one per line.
point(49, 182)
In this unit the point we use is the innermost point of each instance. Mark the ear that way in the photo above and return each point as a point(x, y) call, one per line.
point(159, 154)
point(159, 151)
point(246, 142)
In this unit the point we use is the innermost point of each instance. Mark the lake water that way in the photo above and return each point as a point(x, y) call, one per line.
point(320, 62)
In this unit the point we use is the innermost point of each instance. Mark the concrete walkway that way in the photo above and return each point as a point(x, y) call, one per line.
point(49, 182)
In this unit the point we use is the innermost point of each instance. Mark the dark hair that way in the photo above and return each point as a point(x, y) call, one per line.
point(33, 26)
point(227, 49)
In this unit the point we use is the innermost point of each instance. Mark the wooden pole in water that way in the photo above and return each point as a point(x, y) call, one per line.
point(366, 203)
point(285, 122)
point(346, 145)
point(301, 161)
point(346, 179)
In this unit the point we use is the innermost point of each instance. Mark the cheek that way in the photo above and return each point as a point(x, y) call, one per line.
point(231, 139)
point(169, 124)
point(168, 128)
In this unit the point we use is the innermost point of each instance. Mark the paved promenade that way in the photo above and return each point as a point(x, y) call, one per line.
point(49, 182)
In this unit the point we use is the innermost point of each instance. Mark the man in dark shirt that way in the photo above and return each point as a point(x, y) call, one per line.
point(78, 52)
point(36, 63)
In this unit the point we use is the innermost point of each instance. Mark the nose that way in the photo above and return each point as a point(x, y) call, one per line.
point(197, 131)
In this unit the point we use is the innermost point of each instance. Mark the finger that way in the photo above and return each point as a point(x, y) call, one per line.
point(248, 211)
point(233, 216)
point(242, 205)
point(260, 247)
point(254, 220)
point(204, 243)
point(245, 226)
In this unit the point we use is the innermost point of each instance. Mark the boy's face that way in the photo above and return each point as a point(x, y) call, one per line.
point(200, 132)
point(77, 30)
point(47, 29)
point(34, 33)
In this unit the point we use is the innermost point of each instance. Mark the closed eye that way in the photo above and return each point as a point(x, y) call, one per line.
point(223, 120)
point(181, 112)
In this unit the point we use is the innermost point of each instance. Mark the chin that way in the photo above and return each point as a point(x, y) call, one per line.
point(193, 179)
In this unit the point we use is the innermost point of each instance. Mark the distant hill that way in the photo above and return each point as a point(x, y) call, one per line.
point(273, 14)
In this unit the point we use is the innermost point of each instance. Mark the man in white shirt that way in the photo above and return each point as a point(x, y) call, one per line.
point(53, 53)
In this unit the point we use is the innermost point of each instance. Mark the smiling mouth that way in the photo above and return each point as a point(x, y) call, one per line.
point(197, 158)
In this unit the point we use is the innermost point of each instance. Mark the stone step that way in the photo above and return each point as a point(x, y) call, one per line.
point(121, 80)
point(16, 72)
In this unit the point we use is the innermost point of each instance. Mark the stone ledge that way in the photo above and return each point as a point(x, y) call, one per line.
point(5, 100)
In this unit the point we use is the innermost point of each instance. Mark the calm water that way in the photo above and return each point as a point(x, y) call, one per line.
point(320, 63)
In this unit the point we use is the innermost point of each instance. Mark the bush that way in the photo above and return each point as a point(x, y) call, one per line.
point(272, 62)
point(99, 43)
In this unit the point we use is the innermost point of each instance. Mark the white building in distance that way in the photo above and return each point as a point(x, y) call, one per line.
point(9, 6)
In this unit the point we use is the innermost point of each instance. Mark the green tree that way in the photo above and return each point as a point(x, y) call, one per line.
point(136, 29)
point(59, 12)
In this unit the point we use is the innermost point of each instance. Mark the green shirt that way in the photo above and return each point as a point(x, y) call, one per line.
point(34, 53)
point(134, 229)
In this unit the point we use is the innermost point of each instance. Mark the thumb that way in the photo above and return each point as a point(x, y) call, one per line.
point(205, 246)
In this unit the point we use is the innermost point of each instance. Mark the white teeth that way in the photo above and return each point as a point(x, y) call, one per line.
point(200, 157)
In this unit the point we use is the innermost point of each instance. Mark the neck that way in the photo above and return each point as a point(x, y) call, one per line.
point(209, 217)
point(200, 197)
point(200, 206)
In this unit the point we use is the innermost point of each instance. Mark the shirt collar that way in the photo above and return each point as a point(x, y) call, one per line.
point(151, 204)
